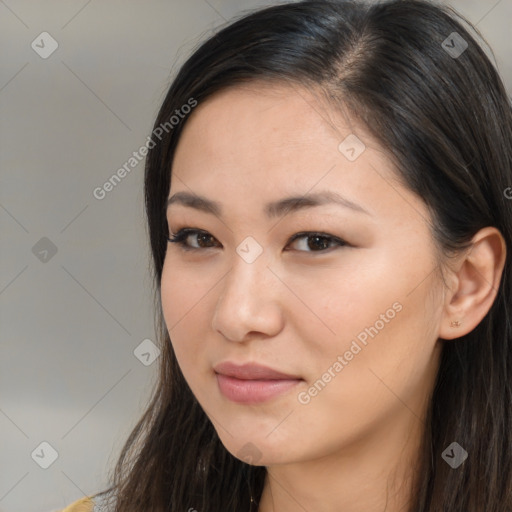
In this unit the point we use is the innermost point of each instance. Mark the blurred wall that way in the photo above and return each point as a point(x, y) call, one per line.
point(76, 320)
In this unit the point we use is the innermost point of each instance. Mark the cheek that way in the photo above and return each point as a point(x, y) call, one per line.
point(181, 307)
point(182, 289)
point(397, 356)
point(375, 314)
point(340, 300)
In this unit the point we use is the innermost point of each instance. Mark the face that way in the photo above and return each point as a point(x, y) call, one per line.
point(343, 300)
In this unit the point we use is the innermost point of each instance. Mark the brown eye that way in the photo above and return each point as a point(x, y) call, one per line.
point(317, 242)
point(182, 236)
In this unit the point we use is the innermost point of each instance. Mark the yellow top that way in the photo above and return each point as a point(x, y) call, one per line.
point(82, 505)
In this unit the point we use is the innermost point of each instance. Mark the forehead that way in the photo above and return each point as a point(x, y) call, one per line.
point(259, 142)
point(244, 116)
point(260, 126)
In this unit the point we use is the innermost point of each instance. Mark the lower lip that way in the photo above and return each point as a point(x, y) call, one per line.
point(252, 391)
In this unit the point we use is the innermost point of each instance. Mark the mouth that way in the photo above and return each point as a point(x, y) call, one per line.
point(252, 383)
point(247, 391)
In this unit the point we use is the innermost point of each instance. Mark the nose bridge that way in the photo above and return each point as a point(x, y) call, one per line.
point(248, 272)
point(244, 304)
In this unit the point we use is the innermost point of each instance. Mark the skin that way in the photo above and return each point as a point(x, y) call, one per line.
point(298, 307)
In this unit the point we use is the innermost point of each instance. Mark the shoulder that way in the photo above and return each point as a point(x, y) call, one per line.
point(100, 502)
point(82, 505)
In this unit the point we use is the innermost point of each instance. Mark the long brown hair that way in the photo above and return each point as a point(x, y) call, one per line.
point(446, 120)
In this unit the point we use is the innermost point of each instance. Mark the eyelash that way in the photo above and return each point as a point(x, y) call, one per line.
point(181, 236)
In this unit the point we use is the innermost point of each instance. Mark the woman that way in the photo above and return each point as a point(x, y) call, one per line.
point(328, 202)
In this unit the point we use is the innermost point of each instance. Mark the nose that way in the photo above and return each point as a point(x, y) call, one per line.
point(249, 301)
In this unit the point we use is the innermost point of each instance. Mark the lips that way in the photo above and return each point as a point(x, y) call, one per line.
point(252, 383)
point(252, 371)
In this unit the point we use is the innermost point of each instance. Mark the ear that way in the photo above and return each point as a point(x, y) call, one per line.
point(475, 283)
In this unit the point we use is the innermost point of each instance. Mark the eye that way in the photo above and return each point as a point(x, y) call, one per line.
point(182, 236)
point(319, 242)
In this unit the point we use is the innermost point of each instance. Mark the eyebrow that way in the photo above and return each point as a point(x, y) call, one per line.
point(273, 209)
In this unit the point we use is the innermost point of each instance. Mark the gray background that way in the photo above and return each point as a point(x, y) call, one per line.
point(70, 321)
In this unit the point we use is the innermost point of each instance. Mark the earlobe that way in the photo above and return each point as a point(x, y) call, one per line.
point(477, 280)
